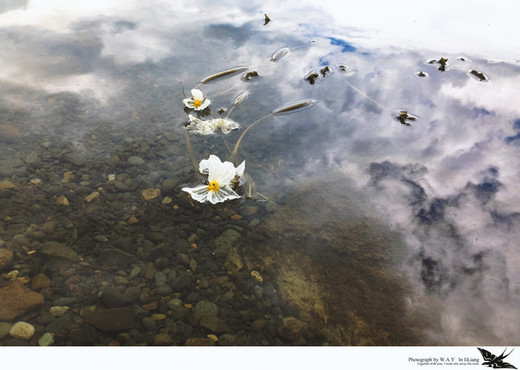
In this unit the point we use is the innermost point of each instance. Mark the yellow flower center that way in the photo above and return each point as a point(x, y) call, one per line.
point(213, 186)
point(197, 103)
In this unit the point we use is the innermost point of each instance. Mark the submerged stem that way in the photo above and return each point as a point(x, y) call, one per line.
point(190, 151)
point(235, 149)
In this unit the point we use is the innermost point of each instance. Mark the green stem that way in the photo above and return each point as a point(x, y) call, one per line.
point(233, 156)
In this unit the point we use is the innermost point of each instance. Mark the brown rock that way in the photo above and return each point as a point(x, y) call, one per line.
point(290, 329)
point(110, 319)
point(8, 133)
point(199, 342)
point(151, 193)
point(16, 299)
point(6, 258)
point(40, 281)
point(6, 185)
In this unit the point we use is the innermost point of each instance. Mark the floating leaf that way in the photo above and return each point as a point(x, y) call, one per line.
point(241, 98)
point(280, 54)
point(404, 117)
point(266, 19)
point(293, 107)
point(479, 76)
point(249, 75)
point(324, 70)
point(227, 72)
point(443, 63)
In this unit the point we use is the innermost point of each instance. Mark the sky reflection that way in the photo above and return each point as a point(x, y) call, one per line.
point(449, 182)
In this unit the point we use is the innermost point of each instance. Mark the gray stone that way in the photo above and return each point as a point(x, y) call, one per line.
point(136, 161)
point(215, 324)
point(46, 340)
point(162, 340)
point(60, 325)
point(115, 257)
point(169, 186)
point(111, 297)
point(110, 319)
point(164, 289)
point(57, 249)
point(227, 340)
point(149, 323)
point(136, 271)
point(4, 329)
point(6, 259)
point(160, 278)
point(203, 308)
point(224, 242)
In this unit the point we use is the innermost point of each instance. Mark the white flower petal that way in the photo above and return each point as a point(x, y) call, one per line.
point(205, 103)
point(188, 103)
point(199, 193)
point(239, 171)
point(196, 94)
point(222, 194)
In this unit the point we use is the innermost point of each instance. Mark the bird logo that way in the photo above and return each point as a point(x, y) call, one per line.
point(495, 361)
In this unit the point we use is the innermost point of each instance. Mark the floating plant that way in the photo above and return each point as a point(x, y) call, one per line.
point(316, 74)
point(479, 76)
point(227, 72)
point(404, 117)
point(443, 63)
point(280, 54)
point(422, 74)
point(266, 19)
point(249, 75)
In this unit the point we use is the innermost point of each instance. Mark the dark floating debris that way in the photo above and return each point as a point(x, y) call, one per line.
point(282, 53)
point(293, 107)
point(311, 77)
point(404, 117)
point(315, 74)
point(479, 76)
point(422, 74)
point(222, 110)
point(463, 59)
point(266, 19)
point(225, 73)
point(443, 63)
point(345, 69)
point(249, 75)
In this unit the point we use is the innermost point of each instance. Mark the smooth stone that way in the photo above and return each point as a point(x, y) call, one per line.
point(111, 297)
point(227, 339)
point(75, 159)
point(203, 308)
point(214, 324)
point(116, 257)
point(109, 319)
point(234, 261)
point(16, 299)
point(57, 249)
point(162, 340)
point(199, 342)
point(290, 328)
point(60, 324)
point(135, 272)
point(22, 330)
point(86, 335)
point(160, 278)
point(224, 242)
point(58, 310)
point(6, 259)
point(46, 339)
point(31, 158)
point(6, 185)
point(169, 186)
point(136, 161)
point(8, 133)
point(174, 303)
point(4, 329)
point(149, 323)
point(164, 290)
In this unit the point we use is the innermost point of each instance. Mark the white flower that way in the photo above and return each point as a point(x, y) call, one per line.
point(209, 126)
point(222, 177)
point(197, 101)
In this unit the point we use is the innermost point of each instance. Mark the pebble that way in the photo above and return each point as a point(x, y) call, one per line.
point(62, 201)
point(6, 185)
point(290, 328)
point(22, 330)
point(136, 161)
point(149, 323)
point(4, 329)
point(89, 198)
point(46, 339)
point(6, 259)
point(31, 158)
point(162, 340)
point(169, 186)
point(8, 133)
point(58, 310)
point(16, 299)
point(151, 193)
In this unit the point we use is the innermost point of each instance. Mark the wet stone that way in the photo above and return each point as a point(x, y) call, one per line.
point(110, 319)
point(227, 339)
point(22, 330)
point(162, 340)
point(199, 342)
point(60, 325)
point(290, 328)
point(6, 259)
point(214, 324)
point(86, 335)
point(136, 161)
point(4, 329)
point(205, 308)
point(46, 339)
point(116, 257)
point(148, 323)
point(57, 249)
point(225, 241)
point(169, 186)
point(16, 299)
point(111, 297)
point(8, 133)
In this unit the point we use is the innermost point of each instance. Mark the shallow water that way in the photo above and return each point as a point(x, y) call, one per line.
point(386, 213)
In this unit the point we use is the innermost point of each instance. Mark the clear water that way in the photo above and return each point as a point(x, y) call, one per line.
point(384, 214)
